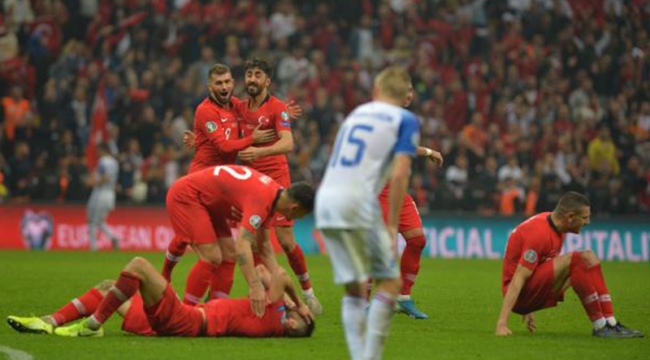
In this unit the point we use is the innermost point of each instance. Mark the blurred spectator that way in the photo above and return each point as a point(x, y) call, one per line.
point(602, 152)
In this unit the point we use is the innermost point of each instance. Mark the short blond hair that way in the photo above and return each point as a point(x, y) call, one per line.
point(393, 82)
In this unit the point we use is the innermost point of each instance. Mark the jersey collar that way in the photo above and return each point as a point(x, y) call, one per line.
point(275, 201)
point(550, 222)
point(266, 99)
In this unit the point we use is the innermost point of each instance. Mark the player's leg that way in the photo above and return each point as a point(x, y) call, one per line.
point(199, 277)
point(79, 307)
point(223, 277)
point(138, 274)
point(595, 272)
point(92, 213)
point(383, 268)
point(102, 213)
point(350, 263)
point(173, 255)
point(298, 264)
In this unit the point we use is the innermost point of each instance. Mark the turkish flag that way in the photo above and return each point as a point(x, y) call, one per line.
point(98, 127)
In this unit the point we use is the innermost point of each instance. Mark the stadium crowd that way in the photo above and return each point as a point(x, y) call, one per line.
point(526, 99)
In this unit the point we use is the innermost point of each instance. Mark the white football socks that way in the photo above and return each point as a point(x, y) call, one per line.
point(379, 319)
point(599, 323)
point(353, 313)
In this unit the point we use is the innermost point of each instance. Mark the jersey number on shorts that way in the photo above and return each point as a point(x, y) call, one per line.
point(247, 172)
point(352, 139)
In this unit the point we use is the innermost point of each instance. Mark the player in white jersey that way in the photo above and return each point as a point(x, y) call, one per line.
point(375, 142)
point(102, 198)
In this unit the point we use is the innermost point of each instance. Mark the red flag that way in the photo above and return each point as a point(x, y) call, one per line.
point(98, 126)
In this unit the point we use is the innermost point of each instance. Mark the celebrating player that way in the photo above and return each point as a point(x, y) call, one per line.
point(200, 203)
point(348, 212)
point(535, 275)
point(102, 199)
point(150, 307)
point(263, 109)
point(217, 142)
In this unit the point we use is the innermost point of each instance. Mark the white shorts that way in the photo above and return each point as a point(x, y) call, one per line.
point(358, 253)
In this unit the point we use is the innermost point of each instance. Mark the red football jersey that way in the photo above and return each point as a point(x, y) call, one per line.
point(234, 317)
point(272, 114)
point(222, 187)
point(531, 243)
point(217, 135)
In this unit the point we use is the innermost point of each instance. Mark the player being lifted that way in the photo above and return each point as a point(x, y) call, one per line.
point(150, 307)
point(376, 141)
point(535, 275)
point(263, 109)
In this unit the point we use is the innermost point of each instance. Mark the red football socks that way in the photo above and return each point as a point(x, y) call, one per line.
point(125, 287)
point(78, 307)
point(583, 286)
point(198, 281)
point(221, 280)
point(410, 262)
point(604, 298)
point(175, 251)
point(299, 266)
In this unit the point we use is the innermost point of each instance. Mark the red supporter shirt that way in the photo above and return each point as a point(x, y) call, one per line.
point(531, 243)
point(221, 187)
point(217, 135)
point(234, 317)
point(272, 114)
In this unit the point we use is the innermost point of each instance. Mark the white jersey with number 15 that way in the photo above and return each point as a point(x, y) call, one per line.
point(359, 164)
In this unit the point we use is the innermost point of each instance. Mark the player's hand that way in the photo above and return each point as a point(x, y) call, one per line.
point(288, 302)
point(303, 310)
point(436, 157)
point(189, 139)
point(258, 298)
point(235, 214)
point(392, 232)
point(250, 154)
point(502, 330)
point(262, 136)
point(295, 111)
point(529, 320)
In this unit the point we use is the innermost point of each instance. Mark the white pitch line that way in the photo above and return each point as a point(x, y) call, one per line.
point(13, 354)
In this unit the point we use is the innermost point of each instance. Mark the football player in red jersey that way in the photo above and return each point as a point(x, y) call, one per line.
point(535, 275)
point(150, 307)
point(270, 158)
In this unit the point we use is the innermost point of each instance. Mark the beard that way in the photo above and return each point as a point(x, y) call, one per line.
point(253, 89)
point(222, 98)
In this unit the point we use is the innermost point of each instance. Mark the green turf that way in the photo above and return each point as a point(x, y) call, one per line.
point(462, 298)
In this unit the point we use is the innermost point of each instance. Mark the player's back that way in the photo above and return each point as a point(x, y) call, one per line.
point(535, 239)
point(358, 167)
point(234, 317)
point(210, 121)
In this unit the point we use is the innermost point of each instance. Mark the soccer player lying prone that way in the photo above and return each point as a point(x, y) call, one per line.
point(150, 307)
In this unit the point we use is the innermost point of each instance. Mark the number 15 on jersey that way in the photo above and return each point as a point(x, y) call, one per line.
point(350, 138)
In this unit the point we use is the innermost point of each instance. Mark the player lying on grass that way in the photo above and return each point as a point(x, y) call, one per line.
point(150, 307)
point(535, 275)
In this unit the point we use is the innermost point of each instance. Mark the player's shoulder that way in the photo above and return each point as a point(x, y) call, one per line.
point(536, 223)
point(276, 104)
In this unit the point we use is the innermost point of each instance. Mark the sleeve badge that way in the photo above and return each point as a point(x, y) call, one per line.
point(211, 126)
point(530, 256)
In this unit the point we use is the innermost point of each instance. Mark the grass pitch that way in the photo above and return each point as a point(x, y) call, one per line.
point(462, 298)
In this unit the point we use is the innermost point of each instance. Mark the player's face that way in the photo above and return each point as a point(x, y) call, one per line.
point(578, 219)
point(221, 86)
point(409, 97)
point(256, 81)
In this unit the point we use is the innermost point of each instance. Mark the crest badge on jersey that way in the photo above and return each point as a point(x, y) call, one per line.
point(255, 221)
point(211, 126)
point(415, 139)
point(530, 256)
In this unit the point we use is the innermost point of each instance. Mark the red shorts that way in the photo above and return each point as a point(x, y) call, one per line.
point(192, 222)
point(409, 216)
point(284, 179)
point(169, 317)
point(135, 320)
point(538, 292)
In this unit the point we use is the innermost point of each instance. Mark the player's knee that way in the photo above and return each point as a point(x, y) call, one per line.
point(589, 258)
point(104, 286)
point(417, 242)
point(137, 265)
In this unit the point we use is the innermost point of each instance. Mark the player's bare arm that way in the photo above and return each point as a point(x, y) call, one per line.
point(399, 181)
point(256, 293)
point(514, 289)
point(433, 155)
point(282, 146)
point(282, 284)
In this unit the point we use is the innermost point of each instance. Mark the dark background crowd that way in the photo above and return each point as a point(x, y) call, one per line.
point(525, 98)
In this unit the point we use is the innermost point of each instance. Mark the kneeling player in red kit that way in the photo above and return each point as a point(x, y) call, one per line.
point(535, 275)
point(151, 308)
